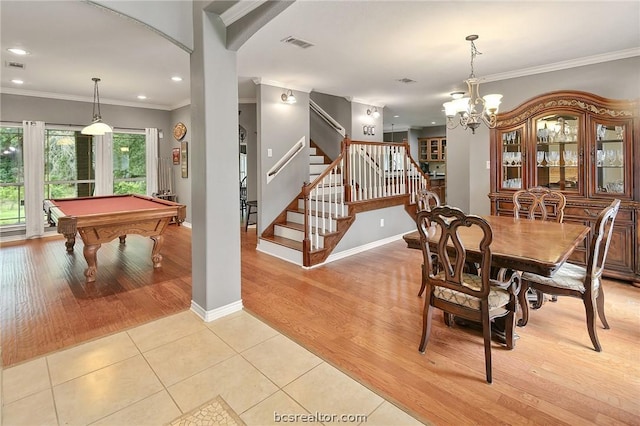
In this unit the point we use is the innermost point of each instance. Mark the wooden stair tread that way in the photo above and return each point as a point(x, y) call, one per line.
point(287, 242)
point(300, 227)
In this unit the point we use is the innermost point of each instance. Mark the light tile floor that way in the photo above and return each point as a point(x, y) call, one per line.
point(153, 373)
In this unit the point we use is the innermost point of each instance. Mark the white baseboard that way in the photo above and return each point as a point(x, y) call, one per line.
point(186, 225)
point(359, 249)
point(214, 314)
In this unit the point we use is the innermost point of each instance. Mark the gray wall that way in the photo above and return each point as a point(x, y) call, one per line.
point(321, 132)
point(181, 186)
point(366, 228)
point(467, 175)
point(74, 113)
point(248, 120)
point(280, 126)
point(360, 118)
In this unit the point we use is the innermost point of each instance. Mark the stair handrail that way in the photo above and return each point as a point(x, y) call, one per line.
point(286, 159)
point(327, 117)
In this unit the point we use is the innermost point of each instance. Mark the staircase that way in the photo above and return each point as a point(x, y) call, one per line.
point(327, 222)
point(365, 176)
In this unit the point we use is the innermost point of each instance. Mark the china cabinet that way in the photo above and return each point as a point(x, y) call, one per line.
point(587, 147)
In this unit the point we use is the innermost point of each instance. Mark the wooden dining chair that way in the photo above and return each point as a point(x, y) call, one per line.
point(543, 204)
point(472, 297)
point(583, 282)
point(426, 201)
point(539, 203)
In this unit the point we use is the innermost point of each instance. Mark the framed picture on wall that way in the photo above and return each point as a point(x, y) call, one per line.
point(176, 156)
point(184, 158)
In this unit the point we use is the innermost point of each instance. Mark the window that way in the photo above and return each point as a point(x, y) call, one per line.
point(69, 164)
point(129, 163)
point(11, 176)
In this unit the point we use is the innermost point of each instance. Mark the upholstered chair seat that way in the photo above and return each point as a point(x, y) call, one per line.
point(569, 276)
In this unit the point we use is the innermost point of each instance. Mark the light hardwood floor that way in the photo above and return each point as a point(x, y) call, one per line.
point(361, 314)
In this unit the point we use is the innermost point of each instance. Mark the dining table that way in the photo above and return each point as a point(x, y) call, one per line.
point(526, 245)
point(523, 245)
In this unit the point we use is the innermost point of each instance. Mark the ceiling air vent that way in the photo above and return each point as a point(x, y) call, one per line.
point(406, 80)
point(11, 64)
point(297, 42)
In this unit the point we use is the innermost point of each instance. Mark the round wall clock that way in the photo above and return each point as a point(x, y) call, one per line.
point(179, 130)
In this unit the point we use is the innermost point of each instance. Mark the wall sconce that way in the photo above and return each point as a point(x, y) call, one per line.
point(369, 130)
point(373, 112)
point(288, 97)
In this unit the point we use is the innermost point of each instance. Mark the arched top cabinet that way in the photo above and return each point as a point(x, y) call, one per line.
point(583, 145)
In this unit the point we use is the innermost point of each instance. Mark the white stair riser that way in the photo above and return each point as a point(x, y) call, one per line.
point(292, 234)
point(286, 253)
point(328, 207)
point(336, 179)
point(317, 168)
point(295, 217)
point(312, 150)
point(316, 159)
point(328, 190)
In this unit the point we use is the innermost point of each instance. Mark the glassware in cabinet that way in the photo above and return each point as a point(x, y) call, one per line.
point(610, 159)
point(558, 152)
point(512, 159)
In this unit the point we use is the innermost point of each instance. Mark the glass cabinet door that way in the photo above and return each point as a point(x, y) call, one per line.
point(559, 152)
point(611, 160)
point(512, 159)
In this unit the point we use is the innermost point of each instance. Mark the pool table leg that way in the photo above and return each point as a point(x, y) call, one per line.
point(91, 258)
point(156, 257)
point(123, 239)
point(71, 241)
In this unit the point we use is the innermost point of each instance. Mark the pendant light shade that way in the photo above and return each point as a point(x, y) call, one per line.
point(97, 127)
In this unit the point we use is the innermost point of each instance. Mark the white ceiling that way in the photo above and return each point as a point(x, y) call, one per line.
point(361, 49)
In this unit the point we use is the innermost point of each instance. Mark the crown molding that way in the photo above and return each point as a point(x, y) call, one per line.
point(563, 65)
point(267, 82)
point(247, 100)
point(363, 101)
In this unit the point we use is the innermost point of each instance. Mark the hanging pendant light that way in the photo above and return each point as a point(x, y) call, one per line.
point(97, 127)
point(472, 109)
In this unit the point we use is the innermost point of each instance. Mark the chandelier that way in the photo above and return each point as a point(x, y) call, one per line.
point(472, 109)
point(97, 127)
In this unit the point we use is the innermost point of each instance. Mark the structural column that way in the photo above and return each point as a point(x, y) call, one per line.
point(215, 170)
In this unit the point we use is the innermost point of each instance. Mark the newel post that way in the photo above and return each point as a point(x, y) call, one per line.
point(346, 178)
point(306, 242)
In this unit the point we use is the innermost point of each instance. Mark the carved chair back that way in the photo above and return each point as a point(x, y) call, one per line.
point(449, 249)
point(539, 202)
point(427, 199)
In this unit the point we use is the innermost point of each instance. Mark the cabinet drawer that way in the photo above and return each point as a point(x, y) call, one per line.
point(592, 213)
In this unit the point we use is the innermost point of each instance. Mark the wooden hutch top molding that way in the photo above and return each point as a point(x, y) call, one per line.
point(569, 99)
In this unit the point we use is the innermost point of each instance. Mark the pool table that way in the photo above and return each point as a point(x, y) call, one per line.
point(101, 219)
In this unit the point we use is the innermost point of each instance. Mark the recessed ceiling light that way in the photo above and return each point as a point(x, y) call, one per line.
point(433, 122)
point(176, 78)
point(142, 97)
point(16, 81)
point(17, 51)
point(396, 116)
